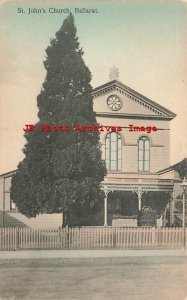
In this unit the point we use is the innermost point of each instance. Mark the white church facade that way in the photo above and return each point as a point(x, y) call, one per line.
point(136, 147)
point(137, 157)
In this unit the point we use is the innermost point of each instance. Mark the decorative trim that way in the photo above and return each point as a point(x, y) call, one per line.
point(122, 172)
point(134, 96)
point(8, 174)
point(129, 145)
point(157, 145)
point(136, 145)
point(130, 187)
point(110, 102)
point(133, 116)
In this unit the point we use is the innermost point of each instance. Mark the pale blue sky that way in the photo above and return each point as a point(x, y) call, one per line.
point(145, 40)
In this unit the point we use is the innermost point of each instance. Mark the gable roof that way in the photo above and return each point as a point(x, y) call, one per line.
point(8, 174)
point(180, 167)
point(160, 110)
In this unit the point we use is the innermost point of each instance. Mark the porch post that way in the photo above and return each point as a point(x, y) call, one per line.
point(139, 193)
point(139, 201)
point(105, 208)
point(172, 208)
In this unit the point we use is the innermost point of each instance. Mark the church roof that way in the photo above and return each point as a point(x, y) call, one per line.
point(8, 174)
point(180, 167)
point(113, 85)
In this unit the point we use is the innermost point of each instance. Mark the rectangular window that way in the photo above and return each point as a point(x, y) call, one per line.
point(113, 151)
point(143, 154)
point(12, 205)
point(113, 165)
point(119, 164)
point(146, 165)
point(141, 165)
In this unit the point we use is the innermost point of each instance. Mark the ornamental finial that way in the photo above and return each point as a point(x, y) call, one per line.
point(114, 73)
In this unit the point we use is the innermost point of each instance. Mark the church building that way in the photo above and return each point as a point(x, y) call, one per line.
point(140, 187)
point(137, 157)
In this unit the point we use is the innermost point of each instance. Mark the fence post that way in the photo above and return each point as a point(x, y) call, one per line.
point(114, 236)
point(153, 236)
point(16, 238)
point(67, 237)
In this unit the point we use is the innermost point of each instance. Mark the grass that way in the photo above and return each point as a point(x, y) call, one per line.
point(137, 278)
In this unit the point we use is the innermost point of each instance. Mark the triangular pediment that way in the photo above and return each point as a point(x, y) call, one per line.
point(132, 102)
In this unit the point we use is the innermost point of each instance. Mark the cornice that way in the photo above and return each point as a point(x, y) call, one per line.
point(8, 174)
point(134, 96)
point(132, 116)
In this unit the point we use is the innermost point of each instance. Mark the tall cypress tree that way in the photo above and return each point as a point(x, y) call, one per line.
point(62, 170)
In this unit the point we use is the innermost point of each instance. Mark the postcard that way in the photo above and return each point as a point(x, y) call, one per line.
point(93, 169)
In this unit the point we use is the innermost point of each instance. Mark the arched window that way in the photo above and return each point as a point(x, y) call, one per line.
point(113, 151)
point(143, 154)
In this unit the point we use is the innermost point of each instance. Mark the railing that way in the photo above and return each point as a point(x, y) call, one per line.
point(91, 238)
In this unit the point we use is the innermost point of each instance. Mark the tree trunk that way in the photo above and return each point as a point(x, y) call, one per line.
point(66, 219)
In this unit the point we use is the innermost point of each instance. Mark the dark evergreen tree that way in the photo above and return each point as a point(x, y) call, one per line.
point(181, 168)
point(62, 170)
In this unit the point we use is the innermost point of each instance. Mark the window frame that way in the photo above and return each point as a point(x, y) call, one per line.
point(117, 152)
point(12, 205)
point(144, 139)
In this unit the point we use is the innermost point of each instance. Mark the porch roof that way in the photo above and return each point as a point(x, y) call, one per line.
point(138, 187)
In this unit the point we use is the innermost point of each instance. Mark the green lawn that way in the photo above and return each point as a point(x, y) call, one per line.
point(141, 278)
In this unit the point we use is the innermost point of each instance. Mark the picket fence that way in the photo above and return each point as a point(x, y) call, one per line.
point(91, 238)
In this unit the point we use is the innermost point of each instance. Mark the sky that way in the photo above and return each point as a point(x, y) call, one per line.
point(146, 40)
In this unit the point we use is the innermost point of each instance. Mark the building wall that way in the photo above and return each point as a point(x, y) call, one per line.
point(5, 184)
point(159, 142)
point(1, 192)
point(7, 193)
